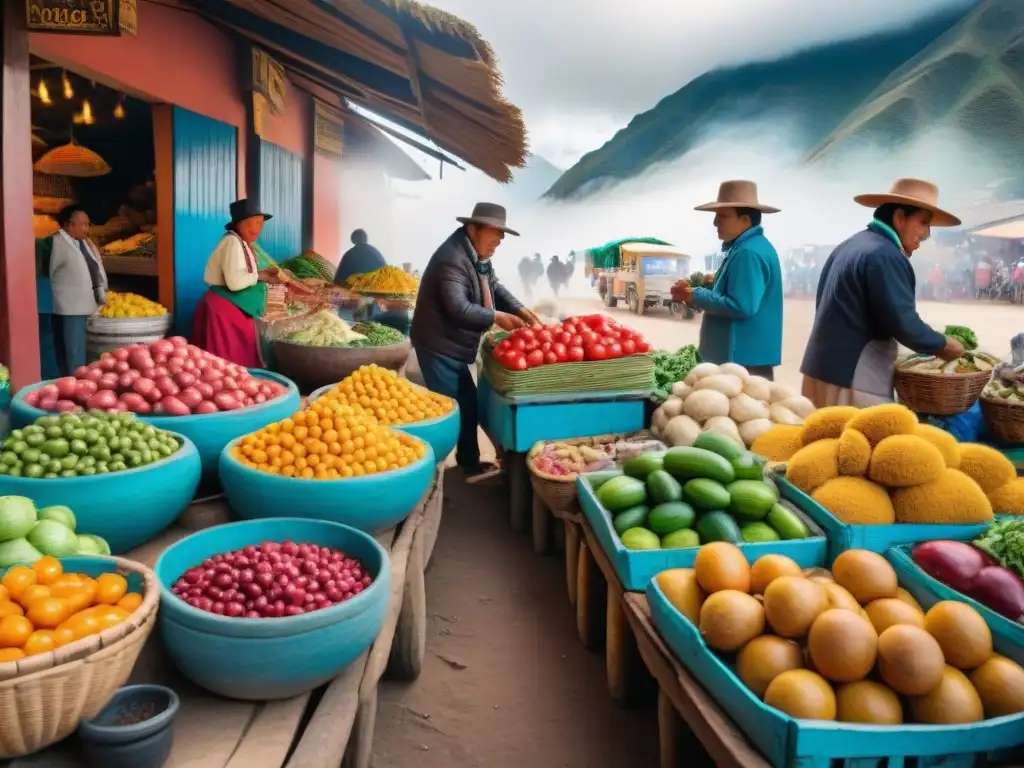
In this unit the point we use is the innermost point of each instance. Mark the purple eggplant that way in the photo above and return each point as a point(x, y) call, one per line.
point(1001, 590)
point(954, 563)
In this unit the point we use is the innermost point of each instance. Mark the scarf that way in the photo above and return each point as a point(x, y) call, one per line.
point(484, 272)
point(884, 229)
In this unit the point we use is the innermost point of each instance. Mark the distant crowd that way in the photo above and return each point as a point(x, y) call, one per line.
point(558, 273)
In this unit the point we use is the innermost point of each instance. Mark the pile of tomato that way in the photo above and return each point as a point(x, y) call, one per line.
point(574, 340)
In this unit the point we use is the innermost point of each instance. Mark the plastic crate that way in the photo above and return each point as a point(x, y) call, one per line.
point(635, 568)
point(877, 538)
point(1007, 635)
point(787, 742)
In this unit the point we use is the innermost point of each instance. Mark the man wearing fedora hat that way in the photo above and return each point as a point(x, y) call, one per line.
point(866, 301)
point(743, 306)
point(237, 272)
point(459, 300)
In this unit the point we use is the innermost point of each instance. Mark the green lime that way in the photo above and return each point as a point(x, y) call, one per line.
point(108, 433)
point(18, 446)
point(54, 432)
point(8, 458)
point(35, 439)
point(58, 448)
point(100, 452)
point(684, 538)
point(16, 434)
point(79, 433)
point(640, 538)
point(33, 470)
point(70, 461)
point(68, 473)
point(30, 455)
point(34, 429)
point(47, 421)
point(79, 448)
point(87, 471)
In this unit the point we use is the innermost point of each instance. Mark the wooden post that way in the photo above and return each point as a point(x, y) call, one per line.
point(541, 526)
point(163, 146)
point(669, 724)
point(590, 590)
point(19, 349)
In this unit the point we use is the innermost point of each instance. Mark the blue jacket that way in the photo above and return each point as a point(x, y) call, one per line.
point(743, 309)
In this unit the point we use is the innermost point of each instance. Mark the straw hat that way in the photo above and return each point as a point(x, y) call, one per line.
point(737, 194)
point(915, 192)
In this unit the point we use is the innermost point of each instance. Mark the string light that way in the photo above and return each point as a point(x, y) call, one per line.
point(119, 109)
point(44, 93)
point(85, 116)
point(69, 92)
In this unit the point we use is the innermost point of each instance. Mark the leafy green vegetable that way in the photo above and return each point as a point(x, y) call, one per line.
point(17, 517)
point(670, 367)
point(52, 538)
point(17, 551)
point(964, 335)
point(697, 279)
point(4, 373)
point(1004, 540)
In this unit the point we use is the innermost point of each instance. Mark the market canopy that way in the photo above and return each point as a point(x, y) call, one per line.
point(1010, 230)
point(607, 255)
point(425, 70)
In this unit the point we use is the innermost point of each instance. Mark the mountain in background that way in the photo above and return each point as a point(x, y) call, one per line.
point(533, 180)
point(814, 90)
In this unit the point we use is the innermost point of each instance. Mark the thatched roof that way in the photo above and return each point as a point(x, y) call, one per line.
point(426, 70)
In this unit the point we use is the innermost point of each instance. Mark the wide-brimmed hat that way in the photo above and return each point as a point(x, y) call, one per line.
point(737, 194)
point(245, 209)
point(915, 192)
point(488, 215)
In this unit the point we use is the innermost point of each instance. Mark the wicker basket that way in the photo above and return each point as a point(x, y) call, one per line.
point(52, 185)
point(1006, 420)
point(44, 697)
point(940, 394)
point(50, 205)
point(559, 491)
point(72, 160)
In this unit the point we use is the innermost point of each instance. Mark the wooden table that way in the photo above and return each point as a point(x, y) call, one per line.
point(321, 729)
point(689, 722)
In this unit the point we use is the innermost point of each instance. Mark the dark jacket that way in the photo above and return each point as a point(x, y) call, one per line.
point(450, 317)
point(865, 305)
point(358, 260)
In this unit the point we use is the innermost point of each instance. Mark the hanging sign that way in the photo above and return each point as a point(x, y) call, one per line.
point(269, 80)
point(83, 17)
point(328, 130)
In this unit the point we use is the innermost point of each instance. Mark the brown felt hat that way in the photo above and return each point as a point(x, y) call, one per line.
point(737, 194)
point(488, 215)
point(915, 192)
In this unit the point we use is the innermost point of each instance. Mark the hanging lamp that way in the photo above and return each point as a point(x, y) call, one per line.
point(72, 159)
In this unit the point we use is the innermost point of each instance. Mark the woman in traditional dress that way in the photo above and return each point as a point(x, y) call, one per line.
point(238, 273)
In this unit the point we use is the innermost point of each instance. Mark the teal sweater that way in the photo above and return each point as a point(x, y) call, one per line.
point(743, 309)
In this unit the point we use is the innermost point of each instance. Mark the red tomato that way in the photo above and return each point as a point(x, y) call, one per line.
point(498, 353)
point(517, 343)
point(569, 328)
point(560, 351)
point(628, 346)
point(575, 353)
point(526, 334)
point(589, 337)
point(643, 346)
point(563, 338)
point(615, 349)
point(550, 358)
point(545, 346)
point(544, 336)
point(504, 344)
point(596, 352)
point(515, 361)
point(608, 340)
point(535, 358)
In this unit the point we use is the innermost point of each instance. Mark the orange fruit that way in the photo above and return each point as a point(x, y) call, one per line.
point(14, 631)
point(953, 701)
point(33, 593)
point(110, 616)
point(63, 635)
point(792, 603)
point(18, 579)
point(48, 569)
point(964, 637)
point(865, 575)
point(1000, 684)
point(842, 645)
point(889, 611)
point(40, 641)
point(10, 608)
point(729, 619)
point(4, 594)
point(49, 612)
point(130, 602)
point(110, 587)
point(866, 701)
point(767, 568)
point(11, 654)
point(802, 694)
point(910, 660)
point(721, 565)
point(83, 624)
point(764, 658)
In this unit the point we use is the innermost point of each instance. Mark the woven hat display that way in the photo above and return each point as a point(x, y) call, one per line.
point(50, 205)
point(74, 160)
point(48, 185)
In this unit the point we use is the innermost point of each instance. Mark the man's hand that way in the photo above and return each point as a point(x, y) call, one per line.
point(529, 317)
point(507, 322)
point(952, 351)
point(683, 292)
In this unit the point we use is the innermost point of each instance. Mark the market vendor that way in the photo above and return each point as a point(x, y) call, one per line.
point(78, 285)
point(865, 301)
point(459, 300)
point(359, 259)
point(238, 273)
point(743, 305)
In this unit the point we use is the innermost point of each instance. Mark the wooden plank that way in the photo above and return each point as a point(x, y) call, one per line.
point(270, 734)
point(208, 728)
point(721, 738)
point(572, 397)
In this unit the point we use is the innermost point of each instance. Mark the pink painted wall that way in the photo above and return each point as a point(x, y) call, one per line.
point(291, 130)
point(328, 240)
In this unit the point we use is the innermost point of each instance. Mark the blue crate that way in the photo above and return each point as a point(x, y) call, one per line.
point(877, 538)
point(790, 743)
point(1007, 635)
point(635, 568)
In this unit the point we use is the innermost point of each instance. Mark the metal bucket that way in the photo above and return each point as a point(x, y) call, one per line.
point(104, 334)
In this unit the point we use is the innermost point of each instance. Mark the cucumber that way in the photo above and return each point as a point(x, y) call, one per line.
point(640, 538)
point(706, 494)
point(621, 493)
point(673, 516)
point(662, 487)
point(686, 462)
point(718, 526)
point(723, 446)
point(601, 476)
point(750, 500)
point(787, 523)
point(749, 466)
point(755, 532)
point(634, 517)
point(684, 538)
point(644, 464)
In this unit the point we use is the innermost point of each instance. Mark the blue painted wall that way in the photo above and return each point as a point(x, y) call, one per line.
point(205, 182)
point(281, 195)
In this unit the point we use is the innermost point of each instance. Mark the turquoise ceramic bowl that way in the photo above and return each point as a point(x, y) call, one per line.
point(262, 659)
point(210, 432)
point(126, 508)
point(442, 433)
point(370, 503)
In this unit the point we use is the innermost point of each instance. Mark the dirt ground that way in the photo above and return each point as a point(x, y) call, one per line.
point(506, 683)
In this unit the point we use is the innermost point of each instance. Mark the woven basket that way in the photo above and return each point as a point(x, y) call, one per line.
point(44, 697)
point(940, 394)
point(72, 160)
point(625, 374)
point(1006, 420)
point(50, 205)
point(559, 491)
point(43, 226)
point(50, 185)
